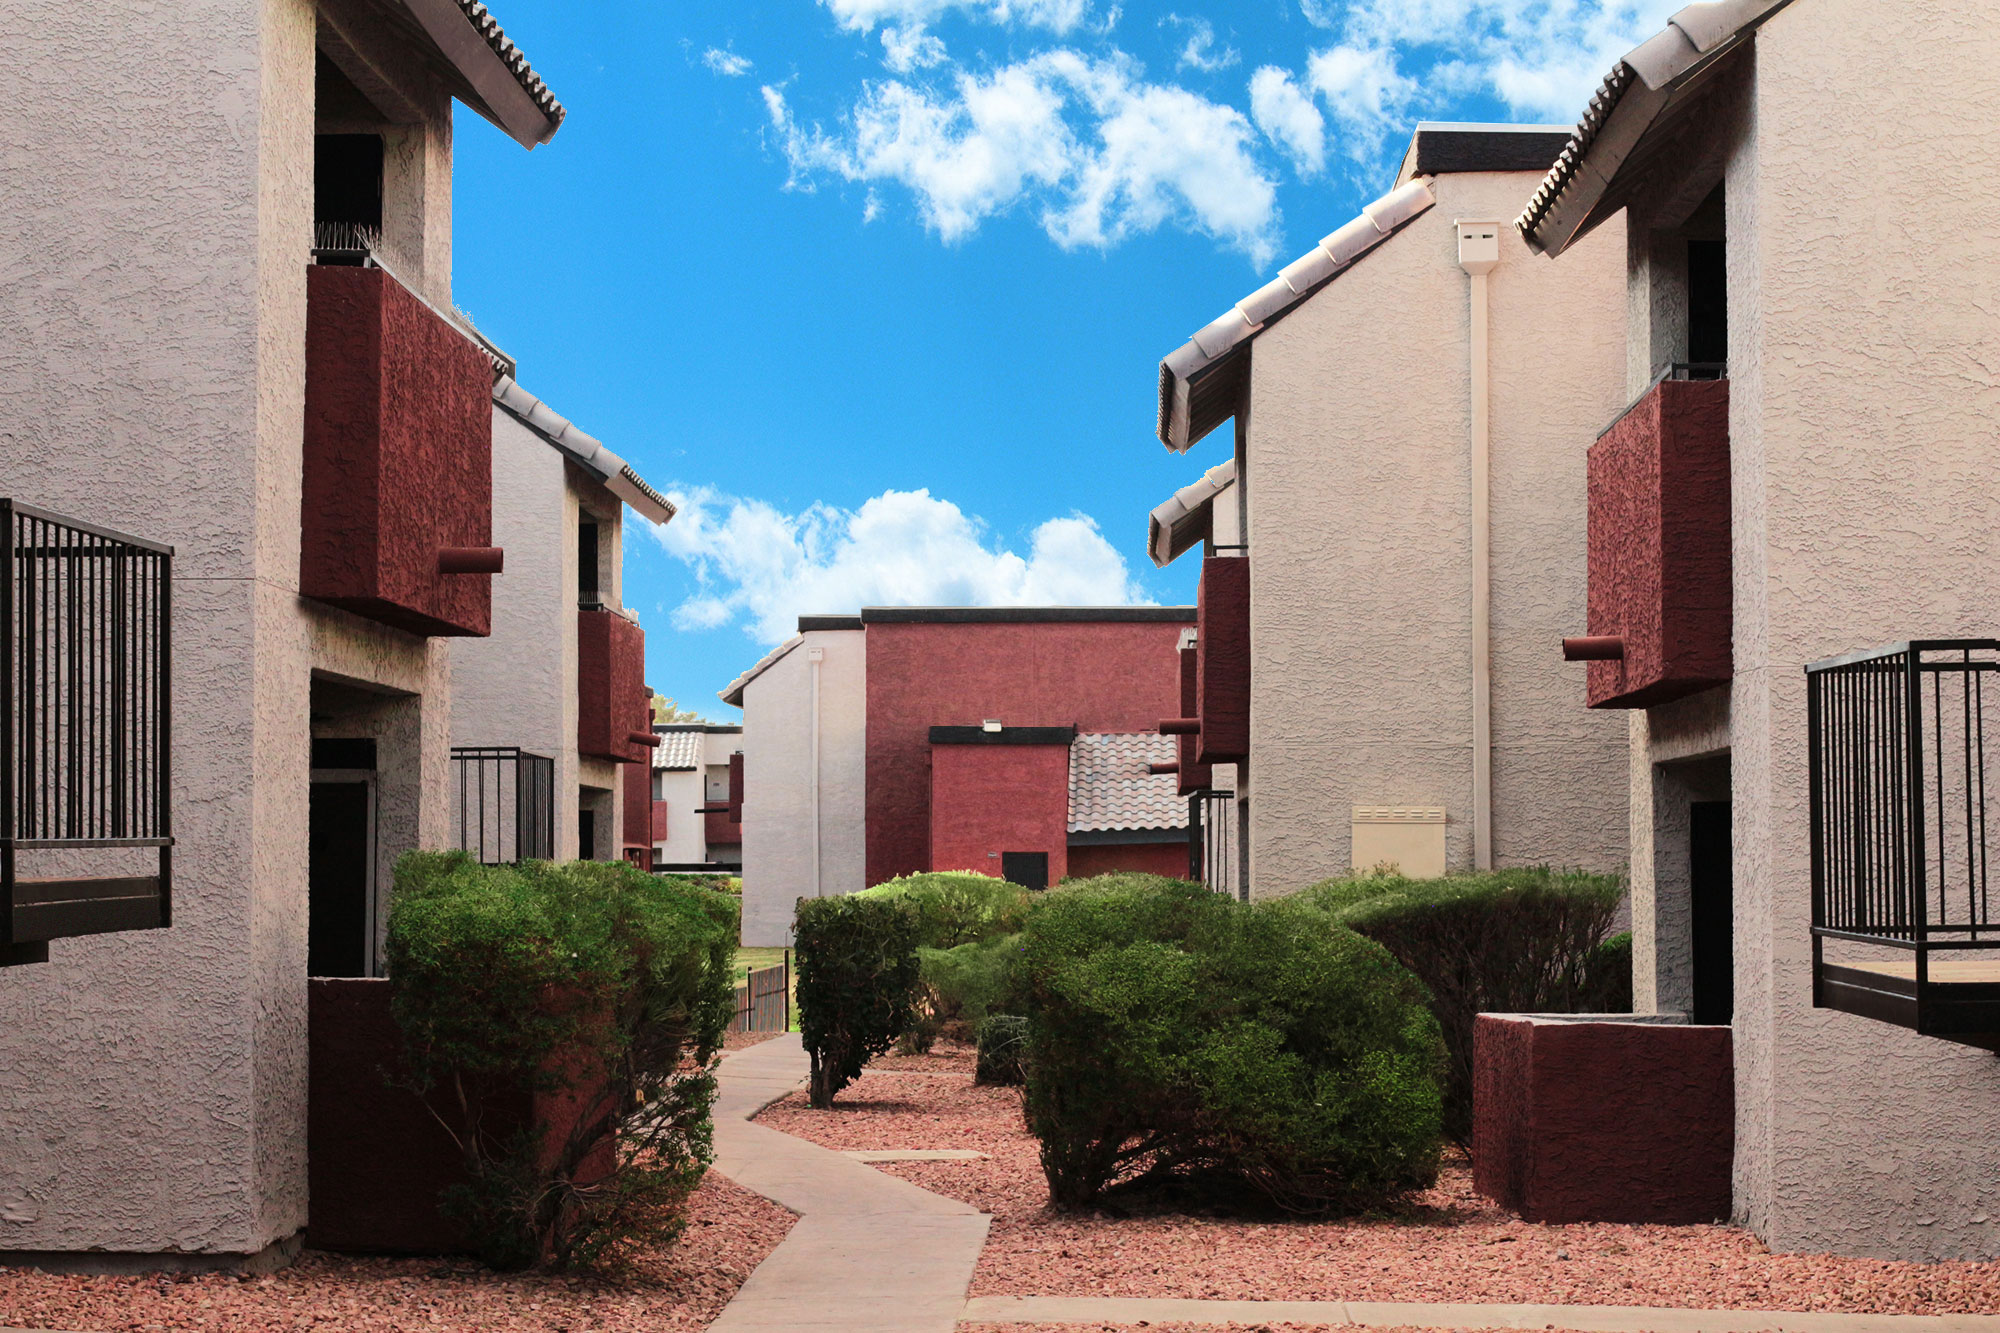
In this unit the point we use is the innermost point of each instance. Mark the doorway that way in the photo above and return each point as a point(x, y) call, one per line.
point(1711, 914)
point(340, 860)
point(1030, 870)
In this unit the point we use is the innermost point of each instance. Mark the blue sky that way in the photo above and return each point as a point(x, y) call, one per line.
point(877, 289)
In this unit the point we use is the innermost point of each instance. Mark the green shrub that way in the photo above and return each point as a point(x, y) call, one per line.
point(593, 984)
point(856, 981)
point(1175, 1034)
point(963, 985)
point(703, 879)
point(1502, 941)
point(956, 907)
point(1607, 977)
point(1003, 1041)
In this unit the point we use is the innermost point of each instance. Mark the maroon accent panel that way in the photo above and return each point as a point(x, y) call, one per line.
point(398, 456)
point(659, 821)
point(376, 1156)
point(612, 701)
point(989, 799)
point(1095, 676)
point(1659, 546)
point(719, 830)
point(1603, 1122)
point(1222, 660)
point(637, 818)
point(736, 789)
point(1151, 858)
point(1194, 775)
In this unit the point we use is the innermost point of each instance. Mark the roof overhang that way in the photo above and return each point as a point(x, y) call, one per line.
point(732, 694)
point(585, 450)
point(1202, 383)
point(1632, 111)
point(499, 83)
point(1188, 516)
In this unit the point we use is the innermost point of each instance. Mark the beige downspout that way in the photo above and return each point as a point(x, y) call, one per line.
point(1478, 254)
point(816, 656)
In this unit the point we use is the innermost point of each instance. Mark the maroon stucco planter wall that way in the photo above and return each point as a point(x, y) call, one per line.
point(989, 799)
point(1194, 775)
point(717, 831)
point(1594, 1121)
point(1659, 546)
point(638, 814)
point(1222, 644)
point(398, 456)
point(1092, 675)
point(612, 701)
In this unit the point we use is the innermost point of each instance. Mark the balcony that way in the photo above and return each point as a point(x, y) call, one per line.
point(1659, 599)
point(1903, 929)
point(614, 709)
point(718, 830)
point(86, 676)
point(1222, 660)
point(397, 503)
point(503, 803)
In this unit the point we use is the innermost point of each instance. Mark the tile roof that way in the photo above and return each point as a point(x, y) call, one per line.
point(732, 693)
point(510, 55)
point(1187, 516)
point(587, 451)
point(678, 749)
point(1109, 787)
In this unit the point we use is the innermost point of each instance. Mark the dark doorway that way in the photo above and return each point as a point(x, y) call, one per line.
point(339, 848)
point(347, 179)
point(1710, 889)
point(586, 565)
point(1028, 869)
point(586, 835)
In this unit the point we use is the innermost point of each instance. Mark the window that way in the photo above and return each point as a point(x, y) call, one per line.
point(586, 564)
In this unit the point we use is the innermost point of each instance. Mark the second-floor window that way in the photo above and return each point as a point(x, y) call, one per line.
point(586, 565)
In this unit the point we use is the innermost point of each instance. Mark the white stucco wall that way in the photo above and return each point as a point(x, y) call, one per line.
point(777, 803)
point(1358, 489)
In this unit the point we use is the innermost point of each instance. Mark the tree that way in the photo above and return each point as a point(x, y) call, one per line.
point(666, 710)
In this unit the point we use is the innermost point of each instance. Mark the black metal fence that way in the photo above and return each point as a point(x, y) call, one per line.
point(85, 724)
point(1899, 746)
point(1214, 842)
point(504, 803)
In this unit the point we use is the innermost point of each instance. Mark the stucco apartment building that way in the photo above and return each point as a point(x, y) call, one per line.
point(696, 823)
point(551, 718)
point(226, 324)
point(1394, 543)
point(1806, 471)
point(1013, 741)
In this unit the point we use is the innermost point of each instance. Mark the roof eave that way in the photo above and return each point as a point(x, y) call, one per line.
point(507, 90)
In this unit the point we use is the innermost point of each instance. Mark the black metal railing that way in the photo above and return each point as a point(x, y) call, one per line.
point(504, 803)
point(1214, 842)
point(85, 724)
point(1898, 751)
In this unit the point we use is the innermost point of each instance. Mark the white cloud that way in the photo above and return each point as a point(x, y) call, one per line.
point(905, 49)
point(1289, 119)
point(763, 568)
point(1058, 16)
point(726, 63)
point(1200, 51)
point(1105, 153)
point(1367, 94)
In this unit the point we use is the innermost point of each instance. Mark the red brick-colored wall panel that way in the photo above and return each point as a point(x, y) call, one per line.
point(1603, 1121)
point(1194, 775)
point(612, 701)
point(1222, 657)
point(398, 456)
point(736, 790)
point(989, 799)
point(659, 820)
point(637, 816)
point(1659, 540)
point(719, 830)
point(1152, 858)
point(1095, 676)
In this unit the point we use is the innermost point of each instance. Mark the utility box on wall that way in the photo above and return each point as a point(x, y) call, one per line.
point(398, 458)
point(1659, 547)
point(1406, 838)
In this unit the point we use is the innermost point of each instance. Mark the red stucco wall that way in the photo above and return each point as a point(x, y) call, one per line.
point(612, 700)
point(718, 830)
point(1659, 546)
point(1603, 1122)
point(1154, 858)
point(1194, 775)
point(638, 812)
point(989, 799)
point(398, 456)
point(1222, 658)
point(1095, 676)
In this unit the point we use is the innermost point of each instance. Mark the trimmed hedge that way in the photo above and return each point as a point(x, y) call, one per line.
point(856, 980)
point(956, 907)
point(1502, 941)
point(1003, 1041)
point(1177, 1035)
point(591, 983)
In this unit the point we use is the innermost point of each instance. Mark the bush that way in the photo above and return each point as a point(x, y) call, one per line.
point(593, 985)
point(1502, 941)
point(956, 907)
point(1177, 1035)
point(1003, 1041)
point(702, 879)
point(1607, 977)
point(963, 985)
point(856, 982)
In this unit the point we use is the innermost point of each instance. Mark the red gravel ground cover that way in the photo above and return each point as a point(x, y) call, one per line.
point(682, 1288)
point(1449, 1245)
point(736, 1041)
point(1207, 1328)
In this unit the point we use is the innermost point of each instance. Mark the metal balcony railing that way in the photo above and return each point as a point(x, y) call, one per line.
point(1214, 846)
point(85, 727)
point(1899, 746)
point(503, 803)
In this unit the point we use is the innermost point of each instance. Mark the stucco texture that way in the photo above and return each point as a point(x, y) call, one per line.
point(991, 799)
point(1103, 676)
point(1357, 481)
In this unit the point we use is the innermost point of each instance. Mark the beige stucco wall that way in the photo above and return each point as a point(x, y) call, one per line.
point(777, 801)
point(1357, 481)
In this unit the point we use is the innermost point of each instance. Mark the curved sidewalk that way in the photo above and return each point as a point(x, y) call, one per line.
point(870, 1253)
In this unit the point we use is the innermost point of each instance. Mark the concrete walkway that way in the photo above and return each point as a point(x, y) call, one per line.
point(870, 1253)
point(1401, 1314)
